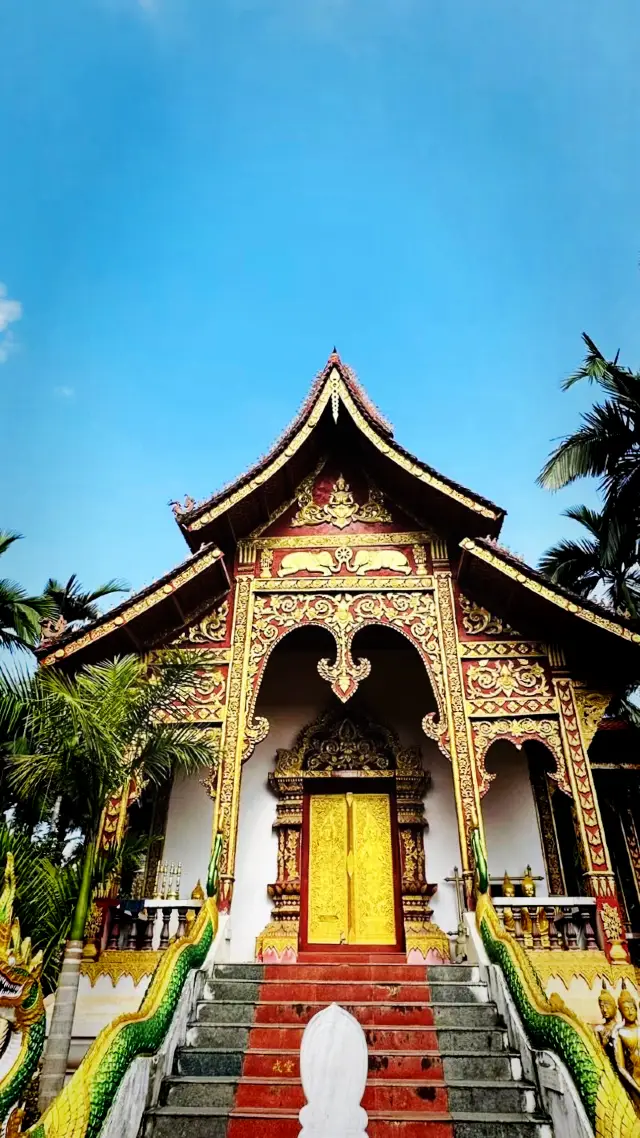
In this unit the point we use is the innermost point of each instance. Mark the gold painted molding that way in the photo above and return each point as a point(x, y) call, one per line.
point(118, 962)
point(590, 966)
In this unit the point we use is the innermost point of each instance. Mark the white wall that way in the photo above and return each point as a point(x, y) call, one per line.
point(397, 693)
point(510, 817)
point(189, 827)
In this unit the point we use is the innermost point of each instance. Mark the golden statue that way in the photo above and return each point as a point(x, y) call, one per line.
point(508, 888)
point(527, 884)
point(609, 1013)
point(626, 1045)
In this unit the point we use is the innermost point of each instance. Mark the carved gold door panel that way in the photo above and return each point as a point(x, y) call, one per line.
point(351, 884)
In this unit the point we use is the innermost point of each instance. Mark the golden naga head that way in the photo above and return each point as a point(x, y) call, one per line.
point(528, 885)
point(19, 968)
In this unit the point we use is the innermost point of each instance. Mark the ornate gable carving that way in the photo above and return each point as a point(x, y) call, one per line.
point(339, 742)
point(341, 509)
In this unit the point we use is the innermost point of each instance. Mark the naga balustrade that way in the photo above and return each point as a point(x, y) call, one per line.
point(553, 923)
point(141, 926)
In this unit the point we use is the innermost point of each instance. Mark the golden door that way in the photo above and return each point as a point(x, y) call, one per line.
point(351, 889)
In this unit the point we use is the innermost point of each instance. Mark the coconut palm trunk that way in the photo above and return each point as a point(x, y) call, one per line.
point(56, 1055)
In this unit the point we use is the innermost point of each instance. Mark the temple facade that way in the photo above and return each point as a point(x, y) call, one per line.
point(378, 677)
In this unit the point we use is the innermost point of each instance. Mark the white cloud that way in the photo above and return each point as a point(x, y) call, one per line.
point(10, 311)
point(63, 392)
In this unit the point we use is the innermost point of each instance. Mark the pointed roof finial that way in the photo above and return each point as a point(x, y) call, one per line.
point(335, 356)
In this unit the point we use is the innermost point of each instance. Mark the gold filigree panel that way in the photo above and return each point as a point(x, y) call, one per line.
point(356, 561)
point(211, 629)
point(328, 920)
point(591, 706)
point(477, 620)
point(514, 678)
point(478, 650)
point(518, 731)
point(344, 614)
point(203, 699)
point(341, 509)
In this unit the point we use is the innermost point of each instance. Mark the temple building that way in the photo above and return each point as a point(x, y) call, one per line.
point(379, 676)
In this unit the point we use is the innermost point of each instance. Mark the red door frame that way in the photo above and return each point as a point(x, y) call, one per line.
point(340, 785)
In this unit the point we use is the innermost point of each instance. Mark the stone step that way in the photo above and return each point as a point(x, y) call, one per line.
point(379, 1012)
point(344, 990)
point(416, 1064)
point(286, 1037)
point(461, 1014)
point(398, 1095)
point(212, 1122)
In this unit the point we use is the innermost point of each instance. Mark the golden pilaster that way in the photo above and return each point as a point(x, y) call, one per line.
point(465, 782)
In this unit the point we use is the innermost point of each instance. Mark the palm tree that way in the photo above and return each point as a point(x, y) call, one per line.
point(20, 615)
point(73, 604)
point(603, 565)
point(84, 737)
point(607, 444)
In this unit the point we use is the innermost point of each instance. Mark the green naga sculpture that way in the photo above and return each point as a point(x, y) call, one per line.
point(22, 1014)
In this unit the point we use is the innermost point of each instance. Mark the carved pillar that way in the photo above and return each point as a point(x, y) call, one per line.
point(599, 878)
point(425, 941)
point(232, 746)
point(278, 943)
point(464, 773)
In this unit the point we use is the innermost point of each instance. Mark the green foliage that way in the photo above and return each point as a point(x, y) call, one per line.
point(73, 603)
point(604, 564)
point(20, 614)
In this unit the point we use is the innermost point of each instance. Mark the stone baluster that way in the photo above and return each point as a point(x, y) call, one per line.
point(114, 930)
point(166, 918)
point(590, 936)
point(555, 938)
point(182, 920)
point(517, 916)
point(570, 931)
point(149, 919)
point(132, 934)
point(535, 929)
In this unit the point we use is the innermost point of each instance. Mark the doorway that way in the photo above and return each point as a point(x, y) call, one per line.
point(350, 868)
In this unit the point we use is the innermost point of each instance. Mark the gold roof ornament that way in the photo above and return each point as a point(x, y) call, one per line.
point(341, 509)
point(197, 893)
point(528, 885)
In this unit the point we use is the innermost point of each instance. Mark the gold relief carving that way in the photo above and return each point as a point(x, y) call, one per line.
point(518, 731)
point(426, 943)
point(476, 619)
point(203, 698)
point(611, 923)
point(227, 803)
point(501, 707)
point(334, 541)
point(420, 558)
point(550, 594)
point(326, 584)
point(278, 943)
point(475, 650)
point(355, 561)
point(212, 627)
point(567, 966)
point(328, 882)
point(591, 706)
point(372, 892)
point(344, 614)
point(213, 736)
point(266, 561)
point(464, 777)
point(116, 963)
point(580, 772)
point(341, 509)
point(135, 608)
point(519, 678)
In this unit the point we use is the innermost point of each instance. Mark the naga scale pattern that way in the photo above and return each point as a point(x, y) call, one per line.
point(81, 1108)
point(551, 1025)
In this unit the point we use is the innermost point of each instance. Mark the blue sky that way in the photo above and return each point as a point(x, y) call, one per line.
point(198, 199)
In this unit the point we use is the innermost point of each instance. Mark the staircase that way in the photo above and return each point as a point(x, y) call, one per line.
point(438, 1060)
